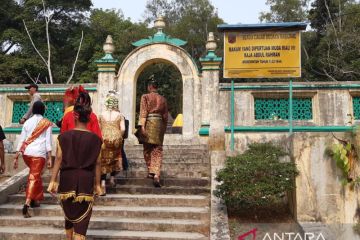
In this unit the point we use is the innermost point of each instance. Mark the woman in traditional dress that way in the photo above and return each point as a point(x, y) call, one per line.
point(77, 158)
point(112, 125)
point(35, 147)
point(68, 122)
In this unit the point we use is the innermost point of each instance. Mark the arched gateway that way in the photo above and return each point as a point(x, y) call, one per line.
point(198, 89)
point(154, 53)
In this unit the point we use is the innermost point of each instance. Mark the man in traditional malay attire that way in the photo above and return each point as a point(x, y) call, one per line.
point(68, 121)
point(153, 119)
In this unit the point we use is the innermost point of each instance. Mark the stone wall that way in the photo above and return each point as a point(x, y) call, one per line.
point(330, 106)
point(319, 197)
point(12, 93)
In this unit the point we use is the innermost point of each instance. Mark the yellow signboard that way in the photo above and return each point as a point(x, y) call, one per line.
point(270, 54)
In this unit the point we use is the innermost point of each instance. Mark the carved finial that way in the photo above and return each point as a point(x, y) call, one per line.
point(159, 24)
point(211, 43)
point(109, 46)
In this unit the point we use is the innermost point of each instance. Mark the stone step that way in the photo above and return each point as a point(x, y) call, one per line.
point(189, 174)
point(148, 200)
point(170, 147)
point(180, 182)
point(178, 171)
point(136, 173)
point(184, 172)
point(173, 159)
point(167, 151)
point(138, 189)
point(112, 223)
point(180, 166)
point(46, 233)
point(185, 182)
point(135, 189)
point(200, 213)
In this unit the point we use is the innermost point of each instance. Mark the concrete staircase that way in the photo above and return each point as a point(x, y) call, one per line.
point(134, 209)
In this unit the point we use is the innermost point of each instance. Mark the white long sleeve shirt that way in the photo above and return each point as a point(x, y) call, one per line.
point(40, 146)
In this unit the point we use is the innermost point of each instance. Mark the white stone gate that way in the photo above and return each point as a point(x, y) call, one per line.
point(146, 55)
point(160, 48)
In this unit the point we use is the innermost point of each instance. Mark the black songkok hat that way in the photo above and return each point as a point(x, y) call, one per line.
point(151, 81)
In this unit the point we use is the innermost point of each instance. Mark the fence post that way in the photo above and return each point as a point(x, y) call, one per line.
point(290, 107)
point(232, 110)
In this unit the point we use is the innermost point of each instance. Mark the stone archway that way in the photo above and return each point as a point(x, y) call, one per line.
point(145, 55)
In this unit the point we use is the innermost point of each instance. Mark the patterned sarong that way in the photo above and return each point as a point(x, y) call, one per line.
point(154, 129)
point(153, 155)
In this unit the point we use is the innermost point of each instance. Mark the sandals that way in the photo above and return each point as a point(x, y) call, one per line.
point(112, 183)
point(25, 211)
point(103, 191)
point(157, 182)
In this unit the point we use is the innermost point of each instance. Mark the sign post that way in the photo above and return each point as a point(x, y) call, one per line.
point(262, 55)
point(271, 50)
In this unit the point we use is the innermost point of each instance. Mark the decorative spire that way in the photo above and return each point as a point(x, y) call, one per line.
point(210, 54)
point(108, 45)
point(211, 43)
point(159, 36)
point(159, 24)
point(107, 63)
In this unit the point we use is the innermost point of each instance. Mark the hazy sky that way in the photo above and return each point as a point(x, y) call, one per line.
point(232, 11)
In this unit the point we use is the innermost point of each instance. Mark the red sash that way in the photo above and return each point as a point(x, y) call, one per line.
point(40, 128)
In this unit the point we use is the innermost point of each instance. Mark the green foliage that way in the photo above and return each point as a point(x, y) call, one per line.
point(285, 11)
point(256, 178)
point(330, 50)
point(64, 29)
point(170, 86)
point(345, 154)
point(69, 19)
point(189, 20)
point(334, 50)
point(103, 23)
point(340, 153)
point(356, 228)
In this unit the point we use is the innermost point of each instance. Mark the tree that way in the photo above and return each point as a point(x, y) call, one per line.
point(100, 24)
point(335, 53)
point(322, 12)
point(67, 20)
point(10, 28)
point(47, 18)
point(190, 20)
point(285, 11)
